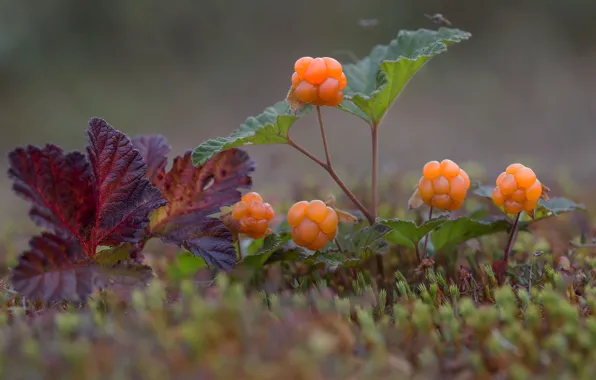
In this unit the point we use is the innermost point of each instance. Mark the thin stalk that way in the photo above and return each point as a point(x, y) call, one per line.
point(375, 168)
point(512, 235)
point(430, 215)
point(329, 169)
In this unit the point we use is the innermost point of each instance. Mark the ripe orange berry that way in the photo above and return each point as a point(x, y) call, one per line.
point(253, 215)
point(443, 185)
point(319, 81)
point(313, 224)
point(517, 189)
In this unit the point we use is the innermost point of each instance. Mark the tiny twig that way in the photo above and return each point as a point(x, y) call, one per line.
point(430, 215)
point(512, 235)
point(339, 246)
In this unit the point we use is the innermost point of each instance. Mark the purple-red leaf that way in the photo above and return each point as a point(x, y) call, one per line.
point(60, 187)
point(125, 197)
point(195, 193)
point(153, 149)
point(54, 268)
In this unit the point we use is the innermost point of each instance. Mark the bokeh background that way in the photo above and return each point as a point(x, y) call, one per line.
point(522, 89)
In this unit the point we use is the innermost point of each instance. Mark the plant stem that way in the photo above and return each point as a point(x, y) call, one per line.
point(329, 169)
point(324, 136)
point(375, 168)
point(430, 215)
point(512, 235)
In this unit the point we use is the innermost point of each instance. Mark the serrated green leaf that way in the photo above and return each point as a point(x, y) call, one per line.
point(186, 266)
point(555, 206)
point(256, 258)
point(368, 241)
point(456, 231)
point(270, 127)
point(406, 232)
point(375, 82)
point(333, 260)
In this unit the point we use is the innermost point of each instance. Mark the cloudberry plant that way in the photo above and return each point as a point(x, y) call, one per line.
point(517, 189)
point(253, 215)
point(443, 185)
point(318, 81)
point(313, 224)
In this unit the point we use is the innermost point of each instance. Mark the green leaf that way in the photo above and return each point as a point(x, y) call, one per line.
point(333, 260)
point(456, 231)
point(406, 232)
point(485, 191)
point(267, 247)
point(369, 241)
point(187, 265)
point(555, 206)
point(111, 256)
point(375, 82)
point(270, 127)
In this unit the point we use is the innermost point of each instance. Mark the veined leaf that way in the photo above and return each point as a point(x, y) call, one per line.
point(406, 232)
point(455, 231)
point(375, 82)
point(270, 127)
point(53, 269)
point(555, 206)
point(269, 245)
point(193, 195)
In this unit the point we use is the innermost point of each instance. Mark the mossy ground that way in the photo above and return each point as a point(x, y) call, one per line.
point(445, 318)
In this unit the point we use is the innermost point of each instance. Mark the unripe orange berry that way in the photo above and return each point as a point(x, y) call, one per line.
point(252, 215)
point(443, 185)
point(517, 189)
point(318, 81)
point(314, 224)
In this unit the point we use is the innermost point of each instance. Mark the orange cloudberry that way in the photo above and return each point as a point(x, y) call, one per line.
point(517, 189)
point(443, 185)
point(318, 81)
point(313, 224)
point(253, 215)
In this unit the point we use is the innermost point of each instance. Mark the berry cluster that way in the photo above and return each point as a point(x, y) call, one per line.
point(313, 224)
point(253, 215)
point(319, 81)
point(517, 189)
point(443, 185)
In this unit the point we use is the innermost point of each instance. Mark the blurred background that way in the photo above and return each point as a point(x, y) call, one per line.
point(522, 89)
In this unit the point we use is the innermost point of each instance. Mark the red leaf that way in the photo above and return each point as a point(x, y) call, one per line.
point(153, 149)
point(194, 193)
point(125, 197)
point(60, 187)
point(499, 269)
point(54, 268)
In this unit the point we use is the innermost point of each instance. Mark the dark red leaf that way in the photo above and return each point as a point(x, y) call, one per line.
point(194, 193)
point(60, 187)
point(499, 269)
point(153, 149)
point(125, 197)
point(54, 268)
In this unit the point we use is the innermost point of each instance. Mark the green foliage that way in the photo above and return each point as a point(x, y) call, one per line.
point(555, 206)
point(456, 231)
point(407, 233)
point(187, 265)
point(270, 127)
point(376, 81)
point(261, 250)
